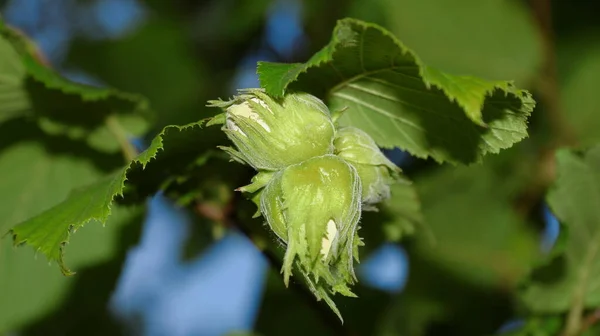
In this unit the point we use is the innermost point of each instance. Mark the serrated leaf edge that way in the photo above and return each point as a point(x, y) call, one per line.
point(120, 177)
point(474, 115)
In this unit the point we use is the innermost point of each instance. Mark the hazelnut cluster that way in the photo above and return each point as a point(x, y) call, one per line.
point(313, 180)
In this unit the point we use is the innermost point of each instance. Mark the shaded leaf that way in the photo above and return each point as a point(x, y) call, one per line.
point(537, 326)
point(243, 333)
point(302, 307)
point(31, 89)
point(427, 307)
point(38, 170)
point(133, 64)
point(397, 217)
point(573, 278)
point(579, 94)
point(404, 208)
point(403, 103)
point(82, 309)
point(12, 98)
point(477, 234)
point(49, 231)
point(494, 40)
point(31, 289)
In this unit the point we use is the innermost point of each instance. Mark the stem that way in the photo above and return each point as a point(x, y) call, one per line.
point(128, 150)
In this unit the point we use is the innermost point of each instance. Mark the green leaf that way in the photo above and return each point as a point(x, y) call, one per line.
point(31, 89)
point(402, 102)
point(404, 209)
point(12, 98)
point(538, 326)
point(49, 231)
point(477, 234)
point(243, 333)
point(573, 279)
point(490, 39)
point(31, 289)
point(130, 64)
point(579, 94)
point(397, 217)
point(409, 316)
point(38, 170)
point(426, 306)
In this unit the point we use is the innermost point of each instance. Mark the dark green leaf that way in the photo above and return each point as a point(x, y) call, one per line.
point(426, 306)
point(579, 92)
point(31, 89)
point(397, 217)
point(477, 234)
point(538, 326)
point(157, 61)
point(404, 208)
point(573, 279)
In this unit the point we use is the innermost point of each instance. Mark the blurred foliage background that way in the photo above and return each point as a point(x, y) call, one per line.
point(485, 227)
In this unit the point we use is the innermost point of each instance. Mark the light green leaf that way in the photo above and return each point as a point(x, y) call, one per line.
point(30, 288)
point(30, 89)
point(402, 102)
point(572, 279)
point(12, 98)
point(49, 231)
point(38, 171)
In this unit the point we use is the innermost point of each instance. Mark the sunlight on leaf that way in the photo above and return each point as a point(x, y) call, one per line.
point(403, 103)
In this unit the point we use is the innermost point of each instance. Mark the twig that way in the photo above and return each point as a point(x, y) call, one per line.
point(128, 150)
